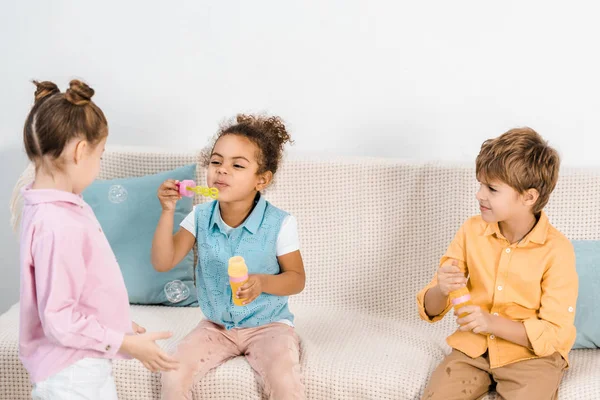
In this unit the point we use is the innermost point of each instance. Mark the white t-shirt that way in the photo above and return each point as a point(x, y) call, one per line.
point(287, 240)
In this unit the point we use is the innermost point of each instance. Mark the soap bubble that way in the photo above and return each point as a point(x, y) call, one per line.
point(117, 194)
point(176, 291)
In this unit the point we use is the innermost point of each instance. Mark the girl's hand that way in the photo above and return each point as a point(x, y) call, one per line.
point(137, 329)
point(144, 348)
point(250, 290)
point(168, 195)
point(450, 278)
point(478, 320)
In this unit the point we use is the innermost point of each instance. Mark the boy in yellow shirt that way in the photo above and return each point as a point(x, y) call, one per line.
point(521, 277)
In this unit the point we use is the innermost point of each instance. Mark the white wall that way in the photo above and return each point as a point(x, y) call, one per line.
point(424, 80)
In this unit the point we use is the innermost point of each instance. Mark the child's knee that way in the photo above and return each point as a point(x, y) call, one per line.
point(176, 385)
point(285, 383)
point(282, 375)
point(457, 381)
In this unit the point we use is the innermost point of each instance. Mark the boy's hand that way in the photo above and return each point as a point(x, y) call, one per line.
point(478, 320)
point(168, 194)
point(137, 329)
point(250, 290)
point(450, 278)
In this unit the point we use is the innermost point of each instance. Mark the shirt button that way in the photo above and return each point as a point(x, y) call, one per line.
point(500, 288)
point(507, 250)
point(107, 347)
point(570, 309)
point(99, 229)
point(492, 337)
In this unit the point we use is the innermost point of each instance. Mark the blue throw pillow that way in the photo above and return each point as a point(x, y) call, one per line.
point(128, 211)
point(587, 314)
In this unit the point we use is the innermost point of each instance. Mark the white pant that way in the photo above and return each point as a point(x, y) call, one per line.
point(87, 379)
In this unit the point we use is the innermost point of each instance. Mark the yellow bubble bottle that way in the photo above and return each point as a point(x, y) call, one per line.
point(238, 275)
point(459, 299)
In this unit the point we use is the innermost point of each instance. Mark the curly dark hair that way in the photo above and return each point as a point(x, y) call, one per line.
point(267, 132)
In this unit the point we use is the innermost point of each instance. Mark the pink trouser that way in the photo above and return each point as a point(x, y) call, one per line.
point(272, 351)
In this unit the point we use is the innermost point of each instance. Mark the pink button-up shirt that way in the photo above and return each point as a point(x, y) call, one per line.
point(74, 303)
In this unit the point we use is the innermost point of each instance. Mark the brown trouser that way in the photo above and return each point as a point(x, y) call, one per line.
point(460, 377)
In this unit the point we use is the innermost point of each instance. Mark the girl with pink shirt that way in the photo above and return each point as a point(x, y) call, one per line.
point(74, 308)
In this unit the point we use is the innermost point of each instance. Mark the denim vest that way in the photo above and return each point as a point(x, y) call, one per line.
point(256, 241)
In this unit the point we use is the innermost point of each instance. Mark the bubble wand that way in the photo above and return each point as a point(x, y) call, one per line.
point(188, 187)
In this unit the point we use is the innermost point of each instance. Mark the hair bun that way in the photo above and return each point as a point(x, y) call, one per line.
point(44, 89)
point(79, 93)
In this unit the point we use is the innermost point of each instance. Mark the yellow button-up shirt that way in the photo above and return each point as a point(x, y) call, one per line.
point(533, 282)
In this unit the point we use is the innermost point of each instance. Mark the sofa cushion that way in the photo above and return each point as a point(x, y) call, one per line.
point(128, 211)
point(344, 355)
point(587, 312)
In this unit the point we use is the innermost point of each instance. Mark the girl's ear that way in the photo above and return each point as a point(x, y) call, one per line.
point(264, 180)
point(80, 149)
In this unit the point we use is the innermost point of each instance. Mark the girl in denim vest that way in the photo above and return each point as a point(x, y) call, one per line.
point(241, 163)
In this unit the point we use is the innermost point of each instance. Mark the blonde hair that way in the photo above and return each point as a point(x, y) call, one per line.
point(522, 159)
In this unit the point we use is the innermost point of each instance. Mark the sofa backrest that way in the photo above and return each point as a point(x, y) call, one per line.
point(372, 230)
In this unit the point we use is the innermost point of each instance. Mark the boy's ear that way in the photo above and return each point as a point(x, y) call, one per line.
point(264, 180)
point(530, 197)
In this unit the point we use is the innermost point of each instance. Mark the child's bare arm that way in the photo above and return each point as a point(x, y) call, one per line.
point(290, 281)
point(449, 278)
point(167, 249)
point(481, 321)
point(435, 301)
point(512, 331)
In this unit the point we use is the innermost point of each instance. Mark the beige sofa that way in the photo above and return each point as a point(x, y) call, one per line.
point(372, 231)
